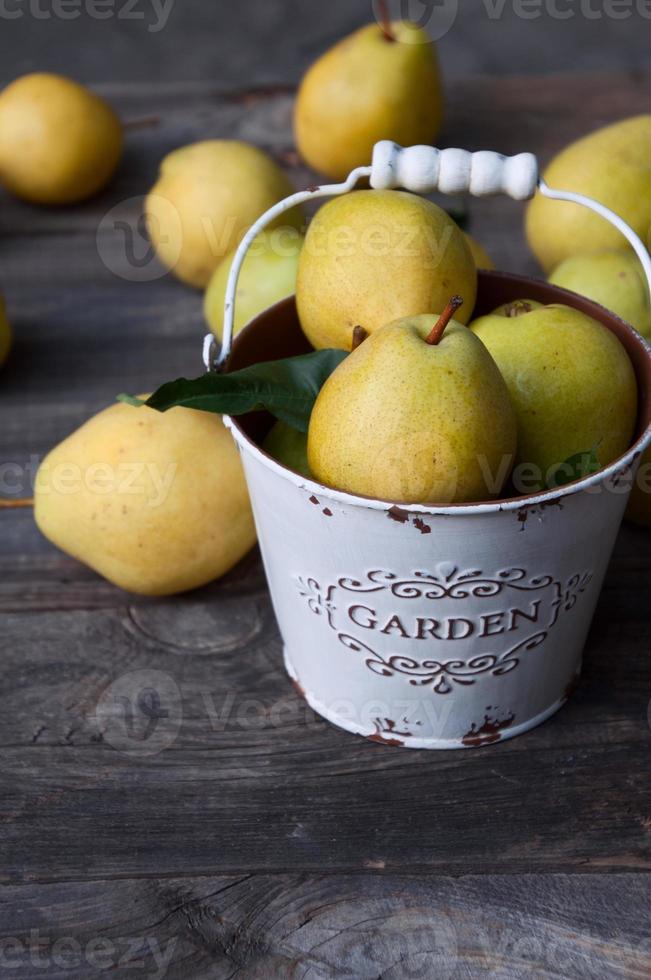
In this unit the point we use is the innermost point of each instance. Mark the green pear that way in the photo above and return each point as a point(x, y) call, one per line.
point(375, 84)
point(289, 447)
point(479, 253)
point(206, 198)
point(268, 275)
point(614, 279)
point(155, 502)
point(410, 417)
point(5, 333)
point(610, 165)
point(571, 383)
point(371, 257)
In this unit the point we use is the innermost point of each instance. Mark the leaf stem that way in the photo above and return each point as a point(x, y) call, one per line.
point(439, 327)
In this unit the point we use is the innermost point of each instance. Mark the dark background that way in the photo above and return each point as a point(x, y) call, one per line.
point(256, 42)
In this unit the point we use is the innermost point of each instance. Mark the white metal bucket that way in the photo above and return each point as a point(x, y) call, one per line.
point(434, 627)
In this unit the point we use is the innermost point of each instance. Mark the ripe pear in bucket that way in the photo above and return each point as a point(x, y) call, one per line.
point(371, 257)
point(571, 382)
point(268, 275)
point(415, 415)
point(613, 278)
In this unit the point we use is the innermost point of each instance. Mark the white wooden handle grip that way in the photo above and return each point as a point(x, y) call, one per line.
point(423, 169)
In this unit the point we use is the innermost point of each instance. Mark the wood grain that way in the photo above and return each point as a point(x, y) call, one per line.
point(259, 841)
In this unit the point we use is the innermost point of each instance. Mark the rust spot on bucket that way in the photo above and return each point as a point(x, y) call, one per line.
point(399, 515)
point(533, 510)
point(327, 512)
point(387, 734)
point(489, 732)
point(314, 500)
point(422, 526)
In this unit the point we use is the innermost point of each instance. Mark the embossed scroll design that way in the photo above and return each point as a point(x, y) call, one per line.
point(443, 674)
point(447, 582)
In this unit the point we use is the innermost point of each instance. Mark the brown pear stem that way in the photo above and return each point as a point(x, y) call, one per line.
point(15, 504)
point(439, 327)
point(385, 23)
point(359, 336)
point(147, 122)
point(517, 308)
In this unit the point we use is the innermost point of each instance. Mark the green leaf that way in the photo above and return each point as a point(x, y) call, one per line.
point(577, 467)
point(287, 389)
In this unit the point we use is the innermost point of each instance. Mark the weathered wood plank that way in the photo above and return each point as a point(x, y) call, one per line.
point(572, 794)
point(252, 784)
point(333, 926)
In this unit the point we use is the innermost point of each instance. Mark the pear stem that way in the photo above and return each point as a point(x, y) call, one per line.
point(145, 123)
point(15, 504)
point(385, 23)
point(439, 327)
point(359, 336)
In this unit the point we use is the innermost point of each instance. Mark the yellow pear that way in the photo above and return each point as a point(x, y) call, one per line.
point(610, 165)
point(5, 333)
point(268, 275)
point(59, 142)
point(155, 502)
point(375, 84)
point(406, 419)
point(206, 198)
point(479, 253)
point(639, 509)
point(371, 257)
point(289, 447)
point(615, 279)
point(571, 383)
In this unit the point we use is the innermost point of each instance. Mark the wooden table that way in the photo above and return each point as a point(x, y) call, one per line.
point(262, 842)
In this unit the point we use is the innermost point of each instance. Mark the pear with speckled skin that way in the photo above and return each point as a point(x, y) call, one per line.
point(613, 278)
point(610, 165)
point(372, 85)
point(371, 257)
point(571, 382)
point(403, 420)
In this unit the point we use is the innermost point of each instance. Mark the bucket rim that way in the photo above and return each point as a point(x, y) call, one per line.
point(617, 467)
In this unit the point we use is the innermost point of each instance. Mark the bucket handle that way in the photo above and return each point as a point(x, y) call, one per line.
point(422, 169)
